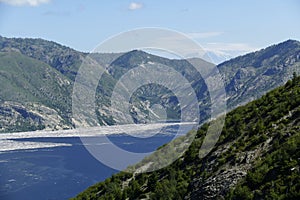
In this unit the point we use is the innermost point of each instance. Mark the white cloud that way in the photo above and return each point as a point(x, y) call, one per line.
point(218, 47)
point(24, 2)
point(135, 6)
point(200, 35)
point(194, 35)
point(229, 47)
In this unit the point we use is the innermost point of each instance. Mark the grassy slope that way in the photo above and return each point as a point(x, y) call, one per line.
point(26, 80)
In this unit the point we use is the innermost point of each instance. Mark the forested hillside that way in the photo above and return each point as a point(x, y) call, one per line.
point(256, 157)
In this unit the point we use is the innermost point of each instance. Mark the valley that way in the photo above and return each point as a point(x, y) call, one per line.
point(37, 123)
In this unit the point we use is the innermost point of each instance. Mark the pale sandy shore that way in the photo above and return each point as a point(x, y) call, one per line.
point(8, 142)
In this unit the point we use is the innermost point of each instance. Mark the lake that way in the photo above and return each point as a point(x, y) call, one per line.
point(65, 169)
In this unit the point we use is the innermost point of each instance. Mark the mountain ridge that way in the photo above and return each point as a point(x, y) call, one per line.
point(243, 82)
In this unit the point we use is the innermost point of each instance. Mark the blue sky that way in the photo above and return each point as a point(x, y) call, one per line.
point(219, 26)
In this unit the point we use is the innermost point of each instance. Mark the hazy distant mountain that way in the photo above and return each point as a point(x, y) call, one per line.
point(218, 57)
point(37, 78)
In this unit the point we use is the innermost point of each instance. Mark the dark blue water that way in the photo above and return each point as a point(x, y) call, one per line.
point(61, 172)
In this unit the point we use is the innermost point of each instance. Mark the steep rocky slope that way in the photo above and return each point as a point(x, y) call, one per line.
point(248, 77)
point(256, 157)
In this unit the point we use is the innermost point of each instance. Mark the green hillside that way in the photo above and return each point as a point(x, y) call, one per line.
point(26, 84)
point(256, 157)
point(24, 79)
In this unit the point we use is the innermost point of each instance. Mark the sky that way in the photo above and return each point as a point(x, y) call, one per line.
point(225, 27)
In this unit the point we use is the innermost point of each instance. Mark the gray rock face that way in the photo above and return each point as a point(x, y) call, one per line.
point(217, 186)
point(228, 175)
